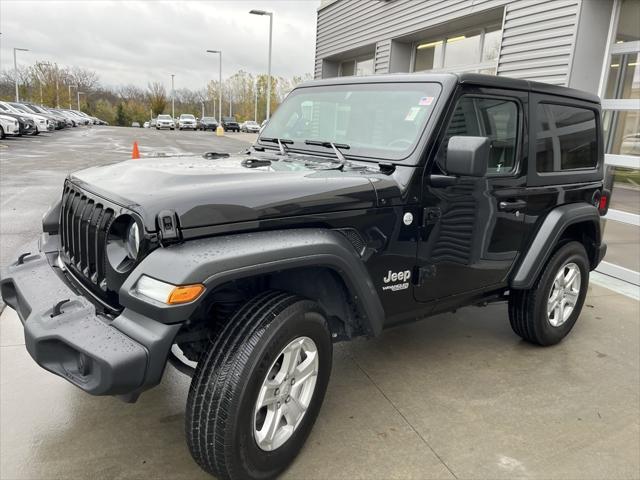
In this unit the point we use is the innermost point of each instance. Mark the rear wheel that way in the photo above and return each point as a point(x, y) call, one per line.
point(546, 313)
point(258, 388)
point(2, 135)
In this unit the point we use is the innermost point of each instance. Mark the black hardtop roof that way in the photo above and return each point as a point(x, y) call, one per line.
point(462, 78)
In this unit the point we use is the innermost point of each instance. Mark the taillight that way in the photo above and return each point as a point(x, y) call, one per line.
point(603, 203)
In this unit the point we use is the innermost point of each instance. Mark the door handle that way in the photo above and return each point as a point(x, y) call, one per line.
point(512, 206)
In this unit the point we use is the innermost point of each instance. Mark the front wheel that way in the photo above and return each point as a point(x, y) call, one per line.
point(258, 388)
point(547, 312)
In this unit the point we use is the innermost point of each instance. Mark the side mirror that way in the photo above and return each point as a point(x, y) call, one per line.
point(467, 156)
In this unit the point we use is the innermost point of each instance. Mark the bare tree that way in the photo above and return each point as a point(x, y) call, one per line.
point(157, 98)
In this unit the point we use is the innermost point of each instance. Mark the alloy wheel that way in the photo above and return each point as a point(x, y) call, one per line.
point(564, 294)
point(285, 394)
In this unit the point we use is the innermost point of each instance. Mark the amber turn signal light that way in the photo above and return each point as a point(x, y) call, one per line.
point(185, 294)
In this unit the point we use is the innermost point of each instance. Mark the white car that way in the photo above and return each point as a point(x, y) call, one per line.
point(250, 127)
point(8, 126)
point(42, 123)
point(145, 124)
point(187, 121)
point(165, 121)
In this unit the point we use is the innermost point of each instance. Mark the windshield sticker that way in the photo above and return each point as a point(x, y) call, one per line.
point(412, 114)
point(425, 101)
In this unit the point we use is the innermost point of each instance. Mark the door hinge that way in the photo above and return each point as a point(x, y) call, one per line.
point(431, 215)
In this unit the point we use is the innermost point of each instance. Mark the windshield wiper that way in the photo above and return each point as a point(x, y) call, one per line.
point(281, 143)
point(335, 146)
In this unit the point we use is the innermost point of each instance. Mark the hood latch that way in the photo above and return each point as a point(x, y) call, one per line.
point(168, 226)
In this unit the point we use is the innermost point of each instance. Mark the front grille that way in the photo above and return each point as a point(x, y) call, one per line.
point(84, 223)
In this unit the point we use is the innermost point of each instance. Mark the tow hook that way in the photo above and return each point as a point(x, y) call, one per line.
point(57, 308)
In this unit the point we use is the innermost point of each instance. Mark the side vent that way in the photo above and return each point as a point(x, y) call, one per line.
point(354, 238)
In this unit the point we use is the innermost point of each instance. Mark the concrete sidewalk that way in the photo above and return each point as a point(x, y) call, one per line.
point(453, 396)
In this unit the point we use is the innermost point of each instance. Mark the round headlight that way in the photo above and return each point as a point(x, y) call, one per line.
point(123, 243)
point(132, 243)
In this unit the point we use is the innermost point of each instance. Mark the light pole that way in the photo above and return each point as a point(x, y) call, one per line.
point(270, 14)
point(79, 93)
point(219, 52)
point(15, 67)
point(76, 86)
point(173, 99)
point(255, 102)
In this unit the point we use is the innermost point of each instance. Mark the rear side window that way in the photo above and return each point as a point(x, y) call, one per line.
point(495, 118)
point(566, 138)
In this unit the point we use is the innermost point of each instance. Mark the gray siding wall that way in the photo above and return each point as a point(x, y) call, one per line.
point(538, 40)
point(538, 36)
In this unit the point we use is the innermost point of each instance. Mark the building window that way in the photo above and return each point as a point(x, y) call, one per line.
point(357, 66)
point(473, 51)
point(620, 92)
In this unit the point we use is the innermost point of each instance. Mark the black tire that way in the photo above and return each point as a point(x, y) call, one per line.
point(220, 406)
point(2, 133)
point(528, 308)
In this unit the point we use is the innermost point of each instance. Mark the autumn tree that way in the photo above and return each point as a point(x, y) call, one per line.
point(157, 98)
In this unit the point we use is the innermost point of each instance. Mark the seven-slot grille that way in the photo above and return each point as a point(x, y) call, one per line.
point(84, 223)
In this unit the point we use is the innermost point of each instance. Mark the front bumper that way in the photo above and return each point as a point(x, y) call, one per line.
point(102, 355)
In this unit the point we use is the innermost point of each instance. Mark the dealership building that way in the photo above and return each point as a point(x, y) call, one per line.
point(592, 45)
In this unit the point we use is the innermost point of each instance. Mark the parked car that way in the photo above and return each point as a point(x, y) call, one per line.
point(630, 144)
point(79, 119)
point(135, 124)
point(165, 121)
point(208, 123)
point(41, 123)
point(230, 124)
point(153, 123)
point(26, 124)
point(250, 127)
point(75, 121)
point(145, 124)
point(56, 121)
point(187, 122)
point(9, 126)
point(425, 201)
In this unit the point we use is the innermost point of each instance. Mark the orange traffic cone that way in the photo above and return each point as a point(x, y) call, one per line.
point(135, 153)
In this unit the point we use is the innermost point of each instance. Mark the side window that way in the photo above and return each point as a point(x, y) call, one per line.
point(486, 117)
point(566, 138)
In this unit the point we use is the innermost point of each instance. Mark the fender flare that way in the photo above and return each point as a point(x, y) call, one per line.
point(547, 236)
point(218, 260)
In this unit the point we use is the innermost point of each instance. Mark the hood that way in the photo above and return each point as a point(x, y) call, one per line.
point(238, 188)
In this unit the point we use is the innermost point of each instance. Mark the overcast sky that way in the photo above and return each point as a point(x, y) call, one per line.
point(135, 42)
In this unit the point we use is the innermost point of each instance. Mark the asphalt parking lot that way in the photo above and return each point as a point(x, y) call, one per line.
point(453, 396)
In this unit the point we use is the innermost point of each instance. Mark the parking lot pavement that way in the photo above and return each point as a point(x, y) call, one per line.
point(453, 396)
point(32, 169)
point(457, 395)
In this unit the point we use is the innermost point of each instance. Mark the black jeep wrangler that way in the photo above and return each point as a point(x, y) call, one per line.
point(230, 124)
point(366, 202)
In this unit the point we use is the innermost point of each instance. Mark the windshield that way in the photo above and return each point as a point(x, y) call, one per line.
point(251, 122)
point(380, 120)
point(21, 108)
point(9, 108)
point(208, 119)
point(229, 119)
point(187, 117)
point(164, 117)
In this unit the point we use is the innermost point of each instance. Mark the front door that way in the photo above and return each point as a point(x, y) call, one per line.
point(473, 227)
